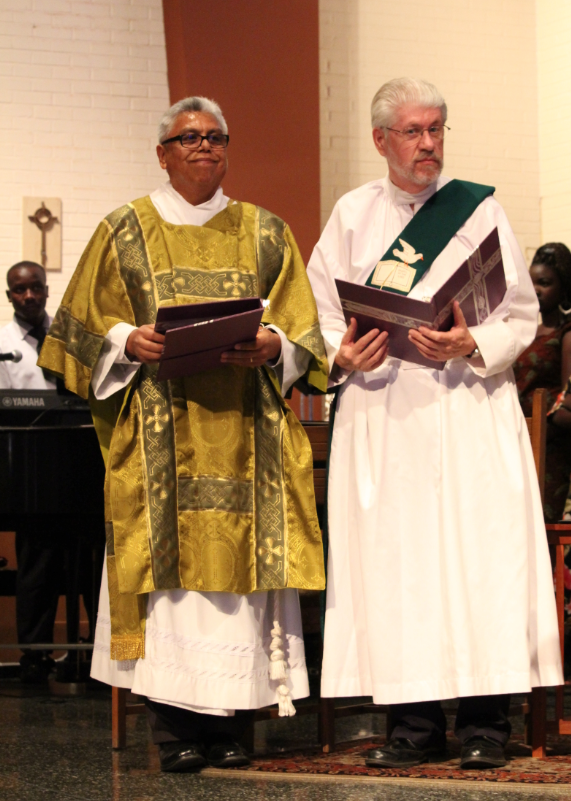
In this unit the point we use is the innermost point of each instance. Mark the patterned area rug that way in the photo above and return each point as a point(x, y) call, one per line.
point(348, 760)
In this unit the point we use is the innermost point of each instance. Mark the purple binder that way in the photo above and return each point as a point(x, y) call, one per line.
point(479, 285)
point(197, 334)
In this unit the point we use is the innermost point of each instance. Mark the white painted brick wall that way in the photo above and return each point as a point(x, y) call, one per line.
point(82, 86)
point(554, 62)
point(482, 56)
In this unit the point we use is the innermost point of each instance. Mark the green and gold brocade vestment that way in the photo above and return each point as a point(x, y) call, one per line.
point(209, 481)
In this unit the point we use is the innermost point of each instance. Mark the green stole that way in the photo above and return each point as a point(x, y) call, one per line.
point(432, 228)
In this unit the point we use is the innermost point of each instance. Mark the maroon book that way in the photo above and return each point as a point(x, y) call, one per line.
point(197, 334)
point(479, 285)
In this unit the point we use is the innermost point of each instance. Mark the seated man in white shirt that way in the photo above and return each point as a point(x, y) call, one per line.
point(27, 292)
point(39, 568)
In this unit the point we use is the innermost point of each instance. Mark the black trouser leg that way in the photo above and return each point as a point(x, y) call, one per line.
point(478, 716)
point(423, 723)
point(483, 716)
point(169, 723)
point(38, 584)
point(91, 582)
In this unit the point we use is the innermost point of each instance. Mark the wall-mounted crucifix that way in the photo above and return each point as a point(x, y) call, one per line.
point(45, 221)
point(41, 231)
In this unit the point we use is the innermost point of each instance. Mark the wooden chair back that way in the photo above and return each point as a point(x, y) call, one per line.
point(536, 718)
point(318, 434)
point(537, 427)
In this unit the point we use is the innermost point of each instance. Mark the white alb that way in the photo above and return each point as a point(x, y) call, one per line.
point(439, 581)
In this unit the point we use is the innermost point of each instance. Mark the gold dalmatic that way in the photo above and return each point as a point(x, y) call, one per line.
point(209, 482)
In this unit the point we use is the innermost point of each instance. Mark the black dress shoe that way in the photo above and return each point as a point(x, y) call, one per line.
point(482, 752)
point(35, 667)
point(227, 754)
point(402, 753)
point(181, 756)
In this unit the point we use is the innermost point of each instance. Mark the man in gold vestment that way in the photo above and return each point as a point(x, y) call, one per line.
point(210, 513)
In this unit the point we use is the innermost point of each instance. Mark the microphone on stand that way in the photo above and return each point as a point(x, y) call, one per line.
point(13, 356)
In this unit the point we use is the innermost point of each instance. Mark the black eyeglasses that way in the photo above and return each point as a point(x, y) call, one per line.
point(193, 141)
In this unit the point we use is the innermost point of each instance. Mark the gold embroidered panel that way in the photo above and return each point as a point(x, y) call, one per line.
point(165, 288)
point(81, 344)
point(305, 549)
point(312, 340)
point(214, 283)
point(271, 246)
point(160, 468)
point(155, 412)
point(270, 528)
point(134, 263)
point(126, 505)
point(207, 492)
point(209, 262)
point(214, 430)
point(127, 618)
point(216, 551)
point(203, 246)
point(109, 538)
point(206, 284)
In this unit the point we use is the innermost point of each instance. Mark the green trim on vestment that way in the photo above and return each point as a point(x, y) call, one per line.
point(154, 398)
point(434, 225)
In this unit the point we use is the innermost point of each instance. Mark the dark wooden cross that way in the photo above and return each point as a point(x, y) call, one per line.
point(45, 221)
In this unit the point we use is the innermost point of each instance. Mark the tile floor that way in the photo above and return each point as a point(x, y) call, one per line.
point(58, 748)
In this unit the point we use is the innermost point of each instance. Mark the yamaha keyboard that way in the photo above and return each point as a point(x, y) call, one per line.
point(51, 468)
point(51, 486)
point(40, 399)
point(41, 406)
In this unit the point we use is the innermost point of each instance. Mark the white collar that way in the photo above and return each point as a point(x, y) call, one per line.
point(174, 209)
point(401, 198)
point(214, 204)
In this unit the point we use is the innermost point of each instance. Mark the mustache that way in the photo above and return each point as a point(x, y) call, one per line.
point(428, 154)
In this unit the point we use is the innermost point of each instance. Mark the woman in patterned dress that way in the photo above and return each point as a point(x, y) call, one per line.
point(547, 364)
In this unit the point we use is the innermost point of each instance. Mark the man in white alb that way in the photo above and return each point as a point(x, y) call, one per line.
point(439, 580)
point(210, 514)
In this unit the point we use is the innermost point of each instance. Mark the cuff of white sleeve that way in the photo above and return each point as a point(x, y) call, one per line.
point(497, 349)
point(114, 370)
point(284, 342)
point(122, 357)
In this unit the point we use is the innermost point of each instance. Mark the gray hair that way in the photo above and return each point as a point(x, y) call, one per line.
point(190, 104)
point(403, 92)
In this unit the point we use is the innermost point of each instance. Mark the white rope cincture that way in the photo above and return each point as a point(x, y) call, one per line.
point(278, 663)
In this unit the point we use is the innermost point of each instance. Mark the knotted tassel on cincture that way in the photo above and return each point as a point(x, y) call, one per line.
point(278, 664)
point(286, 709)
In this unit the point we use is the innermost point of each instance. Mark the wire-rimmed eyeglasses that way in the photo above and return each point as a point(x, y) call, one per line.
point(415, 133)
